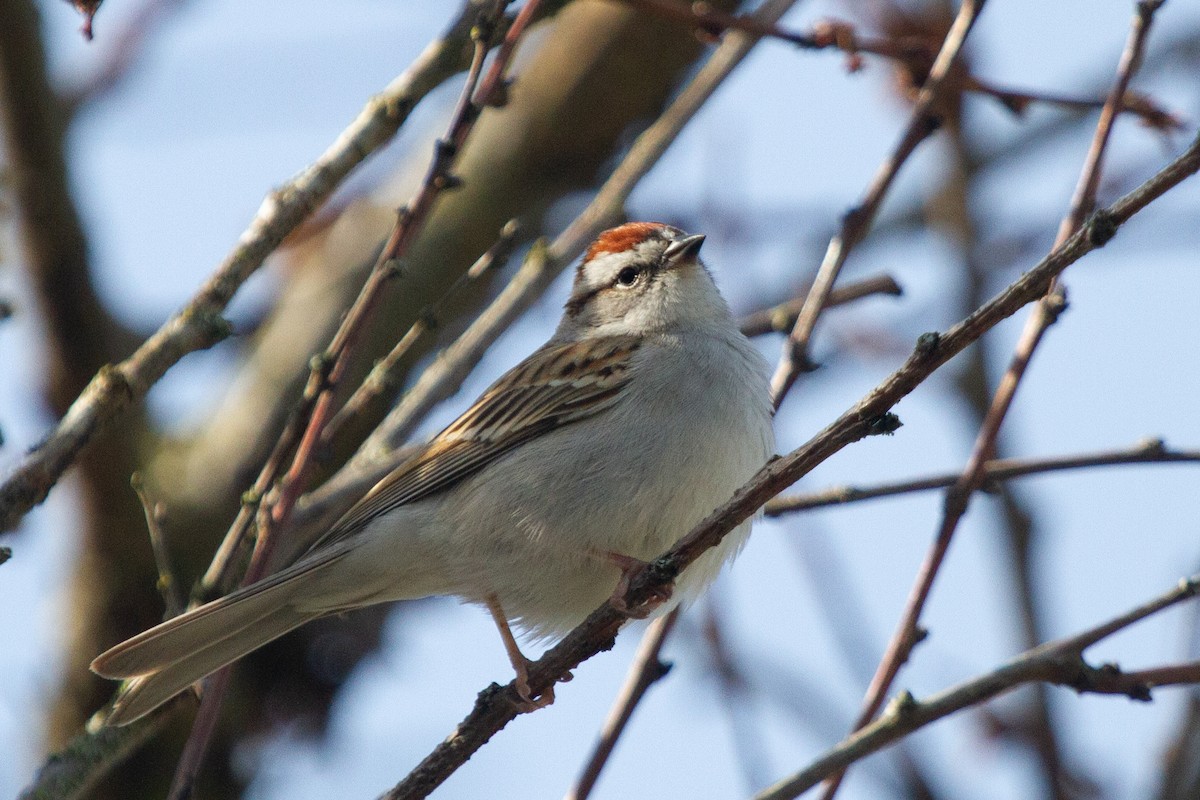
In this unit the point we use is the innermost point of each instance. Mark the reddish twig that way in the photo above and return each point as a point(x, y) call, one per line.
point(383, 375)
point(646, 670)
point(1152, 451)
point(122, 51)
point(1045, 313)
point(911, 52)
point(857, 221)
point(199, 324)
point(329, 368)
point(327, 373)
point(1060, 662)
point(496, 706)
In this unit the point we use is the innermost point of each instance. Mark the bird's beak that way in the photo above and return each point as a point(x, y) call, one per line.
point(682, 250)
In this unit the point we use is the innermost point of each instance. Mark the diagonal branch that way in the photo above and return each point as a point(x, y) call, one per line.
point(378, 455)
point(1151, 451)
point(1044, 314)
point(328, 370)
point(1060, 662)
point(199, 324)
point(496, 706)
point(857, 221)
point(646, 670)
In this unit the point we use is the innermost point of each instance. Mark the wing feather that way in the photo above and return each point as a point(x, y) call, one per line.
point(557, 385)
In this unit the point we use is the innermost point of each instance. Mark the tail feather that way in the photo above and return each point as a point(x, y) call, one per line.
point(168, 658)
point(147, 692)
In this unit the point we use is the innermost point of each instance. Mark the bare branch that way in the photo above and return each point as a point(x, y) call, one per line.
point(384, 375)
point(857, 222)
point(646, 670)
point(1060, 662)
point(199, 324)
point(1151, 451)
point(168, 586)
point(90, 755)
point(781, 318)
point(1044, 314)
point(327, 370)
point(496, 706)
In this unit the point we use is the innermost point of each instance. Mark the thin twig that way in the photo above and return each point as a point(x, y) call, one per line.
point(200, 325)
point(857, 222)
point(1151, 451)
point(912, 52)
point(168, 586)
point(1045, 312)
point(781, 318)
point(1018, 100)
point(223, 571)
point(383, 376)
point(646, 670)
point(496, 706)
point(1060, 662)
point(735, 692)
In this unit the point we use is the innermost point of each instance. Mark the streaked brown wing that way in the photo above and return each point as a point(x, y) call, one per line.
point(557, 385)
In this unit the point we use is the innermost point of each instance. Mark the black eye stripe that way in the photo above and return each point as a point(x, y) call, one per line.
point(577, 302)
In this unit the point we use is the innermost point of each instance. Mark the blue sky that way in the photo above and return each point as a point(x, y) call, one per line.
point(170, 170)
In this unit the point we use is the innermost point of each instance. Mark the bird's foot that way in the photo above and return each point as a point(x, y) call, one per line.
point(528, 702)
point(630, 567)
point(520, 663)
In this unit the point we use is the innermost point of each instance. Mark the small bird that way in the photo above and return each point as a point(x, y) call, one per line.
point(644, 411)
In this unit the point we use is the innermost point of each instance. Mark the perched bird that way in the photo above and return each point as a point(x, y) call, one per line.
point(645, 411)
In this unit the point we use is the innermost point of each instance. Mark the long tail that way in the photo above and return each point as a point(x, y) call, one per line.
point(170, 657)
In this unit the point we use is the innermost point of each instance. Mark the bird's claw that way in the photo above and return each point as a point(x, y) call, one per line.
point(528, 702)
point(630, 567)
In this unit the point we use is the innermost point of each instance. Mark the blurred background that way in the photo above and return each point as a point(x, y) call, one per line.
point(179, 117)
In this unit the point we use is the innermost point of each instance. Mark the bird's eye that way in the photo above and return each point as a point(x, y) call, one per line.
point(628, 276)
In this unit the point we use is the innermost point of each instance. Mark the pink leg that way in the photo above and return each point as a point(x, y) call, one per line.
point(519, 662)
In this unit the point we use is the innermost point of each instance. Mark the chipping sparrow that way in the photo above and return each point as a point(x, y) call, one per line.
point(644, 411)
